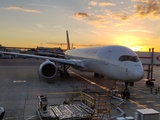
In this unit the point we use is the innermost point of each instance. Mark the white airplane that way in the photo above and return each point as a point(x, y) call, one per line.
point(116, 62)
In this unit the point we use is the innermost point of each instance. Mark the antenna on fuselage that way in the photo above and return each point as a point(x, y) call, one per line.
point(68, 43)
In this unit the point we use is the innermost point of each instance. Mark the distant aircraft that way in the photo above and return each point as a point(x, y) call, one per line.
point(116, 62)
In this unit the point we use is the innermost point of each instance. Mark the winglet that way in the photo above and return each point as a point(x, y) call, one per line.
point(68, 43)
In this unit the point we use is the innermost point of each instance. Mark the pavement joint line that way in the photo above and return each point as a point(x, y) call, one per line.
point(144, 92)
point(28, 117)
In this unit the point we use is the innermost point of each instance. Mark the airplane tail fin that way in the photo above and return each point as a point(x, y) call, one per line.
point(68, 42)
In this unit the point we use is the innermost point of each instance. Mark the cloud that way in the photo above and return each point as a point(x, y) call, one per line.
point(93, 3)
point(40, 25)
point(143, 1)
point(60, 27)
point(41, 5)
point(96, 20)
point(96, 33)
point(142, 9)
point(121, 15)
point(22, 9)
point(122, 24)
point(150, 9)
point(57, 26)
point(80, 32)
point(106, 4)
point(158, 26)
point(99, 24)
point(144, 31)
point(80, 15)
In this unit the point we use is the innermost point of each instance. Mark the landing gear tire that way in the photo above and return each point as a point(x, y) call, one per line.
point(149, 83)
point(96, 75)
point(125, 95)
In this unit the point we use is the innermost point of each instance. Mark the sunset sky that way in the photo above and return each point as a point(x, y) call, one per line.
point(32, 23)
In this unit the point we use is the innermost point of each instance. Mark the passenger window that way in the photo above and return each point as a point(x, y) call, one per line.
point(129, 58)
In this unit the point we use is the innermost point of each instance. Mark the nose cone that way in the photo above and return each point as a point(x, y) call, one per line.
point(138, 73)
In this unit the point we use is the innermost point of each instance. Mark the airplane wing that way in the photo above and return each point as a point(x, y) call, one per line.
point(72, 62)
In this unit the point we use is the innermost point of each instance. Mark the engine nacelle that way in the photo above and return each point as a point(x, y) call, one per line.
point(47, 69)
point(2, 113)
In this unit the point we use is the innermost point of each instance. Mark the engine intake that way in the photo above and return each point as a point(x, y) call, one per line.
point(48, 69)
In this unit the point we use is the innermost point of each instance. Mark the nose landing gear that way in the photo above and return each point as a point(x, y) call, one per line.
point(125, 94)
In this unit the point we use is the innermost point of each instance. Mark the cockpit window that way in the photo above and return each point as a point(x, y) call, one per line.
point(129, 58)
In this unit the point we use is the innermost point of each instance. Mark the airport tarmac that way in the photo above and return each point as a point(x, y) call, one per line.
point(20, 84)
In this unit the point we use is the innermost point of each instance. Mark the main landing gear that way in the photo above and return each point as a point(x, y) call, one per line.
point(150, 83)
point(63, 71)
point(98, 75)
point(125, 94)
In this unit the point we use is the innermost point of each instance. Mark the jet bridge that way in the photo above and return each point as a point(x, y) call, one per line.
point(150, 58)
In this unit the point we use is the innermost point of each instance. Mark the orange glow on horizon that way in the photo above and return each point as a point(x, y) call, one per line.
point(132, 42)
point(127, 40)
point(134, 47)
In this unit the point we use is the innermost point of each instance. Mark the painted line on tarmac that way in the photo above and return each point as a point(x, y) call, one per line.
point(93, 83)
point(20, 117)
point(148, 93)
point(104, 88)
point(19, 81)
point(32, 117)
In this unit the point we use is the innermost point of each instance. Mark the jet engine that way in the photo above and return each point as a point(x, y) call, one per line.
point(47, 69)
point(2, 113)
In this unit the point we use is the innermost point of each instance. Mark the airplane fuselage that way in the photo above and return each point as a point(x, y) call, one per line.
point(116, 62)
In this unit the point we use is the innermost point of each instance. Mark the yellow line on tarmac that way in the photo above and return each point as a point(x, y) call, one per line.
point(138, 105)
point(93, 83)
point(104, 88)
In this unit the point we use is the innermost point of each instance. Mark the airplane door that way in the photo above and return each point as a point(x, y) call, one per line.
point(106, 57)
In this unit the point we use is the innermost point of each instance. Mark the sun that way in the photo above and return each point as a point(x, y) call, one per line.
point(133, 42)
